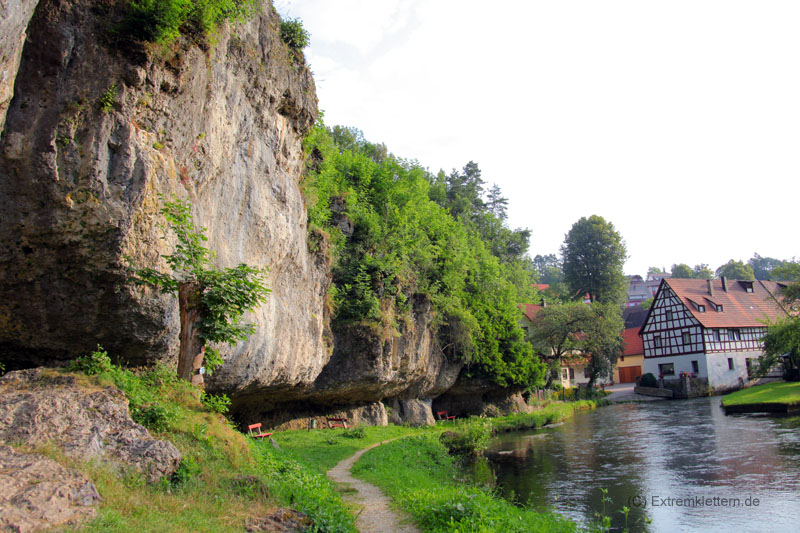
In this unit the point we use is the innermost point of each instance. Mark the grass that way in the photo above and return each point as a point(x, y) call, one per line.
point(548, 414)
point(421, 478)
point(787, 393)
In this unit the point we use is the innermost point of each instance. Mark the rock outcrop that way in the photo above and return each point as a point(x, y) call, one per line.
point(14, 18)
point(221, 126)
point(37, 493)
point(41, 407)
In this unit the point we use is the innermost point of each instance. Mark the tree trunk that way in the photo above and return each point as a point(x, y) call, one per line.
point(192, 349)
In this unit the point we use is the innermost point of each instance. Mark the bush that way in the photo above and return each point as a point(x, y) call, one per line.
point(216, 403)
point(294, 34)
point(161, 21)
point(153, 417)
point(95, 363)
point(470, 437)
point(354, 433)
point(648, 380)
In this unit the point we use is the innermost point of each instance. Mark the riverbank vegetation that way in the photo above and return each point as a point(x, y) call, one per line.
point(781, 393)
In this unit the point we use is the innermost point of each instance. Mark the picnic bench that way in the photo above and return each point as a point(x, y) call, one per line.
point(254, 430)
point(336, 422)
point(444, 415)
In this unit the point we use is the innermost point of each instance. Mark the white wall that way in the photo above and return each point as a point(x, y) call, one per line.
point(683, 363)
point(720, 376)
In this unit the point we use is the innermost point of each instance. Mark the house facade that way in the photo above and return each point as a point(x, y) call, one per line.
point(631, 363)
point(709, 328)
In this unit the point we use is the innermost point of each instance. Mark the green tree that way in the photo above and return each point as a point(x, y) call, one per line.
point(736, 270)
point(702, 271)
point(763, 266)
point(211, 301)
point(653, 270)
point(782, 347)
point(682, 271)
point(787, 271)
point(603, 340)
point(593, 256)
point(496, 203)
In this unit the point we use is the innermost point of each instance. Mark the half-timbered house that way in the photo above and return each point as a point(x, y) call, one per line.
point(708, 328)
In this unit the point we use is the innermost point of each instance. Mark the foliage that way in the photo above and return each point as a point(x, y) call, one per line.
point(108, 98)
point(2, 368)
point(418, 239)
point(294, 34)
point(225, 294)
point(736, 270)
point(702, 271)
point(467, 437)
point(593, 256)
point(682, 271)
point(648, 380)
point(216, 403)
point(786, 271)
point(768, 267)
point(549, 269)
point(432, 490)
point(782, 347)
point(92, 364)
point(162, 21)
point(354, 433)
point(780, 392)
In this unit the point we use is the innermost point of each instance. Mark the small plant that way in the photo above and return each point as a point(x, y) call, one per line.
point(153, 417)
point(648, 380)
point(187, 470)
point(95, 363)
point(157, 145)
point(108, 98)
point(468, 438)
point(217, 403)
point(354, 433)
point(2, 369)
point(294, 34)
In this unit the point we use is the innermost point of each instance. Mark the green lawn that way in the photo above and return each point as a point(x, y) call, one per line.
point(781, 393)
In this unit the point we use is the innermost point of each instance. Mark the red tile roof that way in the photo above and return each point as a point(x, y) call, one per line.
point(531, 310)
point(541, 286)
point(633, 342)
point(739, 308)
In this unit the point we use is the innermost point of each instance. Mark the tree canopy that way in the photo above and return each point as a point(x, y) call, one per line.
point(415, 234)
point(593, 256)
point(736, 270)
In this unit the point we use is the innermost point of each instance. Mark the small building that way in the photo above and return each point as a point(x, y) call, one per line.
point(711, 329)
point(631, 362)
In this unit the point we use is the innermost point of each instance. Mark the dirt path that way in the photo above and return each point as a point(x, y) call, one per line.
point(376, 514)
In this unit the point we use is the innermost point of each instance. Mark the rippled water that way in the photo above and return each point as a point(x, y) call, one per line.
point(680, 465)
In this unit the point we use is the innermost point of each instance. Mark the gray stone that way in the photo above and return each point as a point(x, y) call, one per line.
point(14, 18)
point(37, 493)
point(40, 406)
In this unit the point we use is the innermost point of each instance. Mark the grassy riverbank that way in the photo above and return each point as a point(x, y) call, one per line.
point(785, 393)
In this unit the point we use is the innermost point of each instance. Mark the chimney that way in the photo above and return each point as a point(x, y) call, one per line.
point(724, 284)
point(710, 288)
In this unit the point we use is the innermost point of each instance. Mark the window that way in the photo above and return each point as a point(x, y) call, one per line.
point(657, 341)
point(687, 339)
point(735, 334)
point(669, 314)
point(701, 308)
point(730, 363)
point(564, 374)
point(666, 369)
point(571, 373)
point(586, 373)
point(695, 367)
point(748, 363)
point(717, 336)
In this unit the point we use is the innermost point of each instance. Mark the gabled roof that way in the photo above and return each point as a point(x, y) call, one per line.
point(634, 316)
point(739, 307)
point(633, 342)
point(531, 310)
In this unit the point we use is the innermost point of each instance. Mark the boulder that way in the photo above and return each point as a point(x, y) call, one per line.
point(37, 493)
point(39, 407)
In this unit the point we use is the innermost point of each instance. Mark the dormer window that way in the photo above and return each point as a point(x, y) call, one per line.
point(714, 305)
point(699, 307)
point(747, 286)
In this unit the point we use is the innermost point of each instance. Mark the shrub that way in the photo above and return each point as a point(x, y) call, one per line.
point(161, 21)
point(153, 416)
point(217, 403)
point(648, 380)
point(187, 469)
point(95, 363)
point(107, 99)
point(354, 433)
point(2, 369)
point(470, 437)
point(294, 34)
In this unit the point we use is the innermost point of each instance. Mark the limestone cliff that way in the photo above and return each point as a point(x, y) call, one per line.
point(95, 132)
point(79, 189)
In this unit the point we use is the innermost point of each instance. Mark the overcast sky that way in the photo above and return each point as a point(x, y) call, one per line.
point(677, 121)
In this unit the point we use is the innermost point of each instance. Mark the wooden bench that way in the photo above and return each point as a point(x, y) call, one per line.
point(254, 430)
point(443, 415)
point(336, 422)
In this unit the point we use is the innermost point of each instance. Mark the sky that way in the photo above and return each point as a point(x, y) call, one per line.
point(679, 122)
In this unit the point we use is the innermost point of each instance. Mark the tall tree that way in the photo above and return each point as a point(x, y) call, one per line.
point(787, 271)
point(682, 271)
point(211, 301)
point(593, 256)
point(782, 347)
point(603, 340)
point(702, 271)
point(763, 266)
point(736, 270)
point(549, 269)
point(496, 203)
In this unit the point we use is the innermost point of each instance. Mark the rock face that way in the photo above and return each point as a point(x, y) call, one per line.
point(37, 493)
point(39, 407)
point(79, 185)
point(94, 134)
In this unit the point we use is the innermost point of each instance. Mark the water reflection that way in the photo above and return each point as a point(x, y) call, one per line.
point(678, 464)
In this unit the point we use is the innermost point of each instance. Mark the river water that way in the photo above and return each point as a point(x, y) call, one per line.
point(678, 465)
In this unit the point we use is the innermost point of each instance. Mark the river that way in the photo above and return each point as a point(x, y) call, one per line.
point(678, 465)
